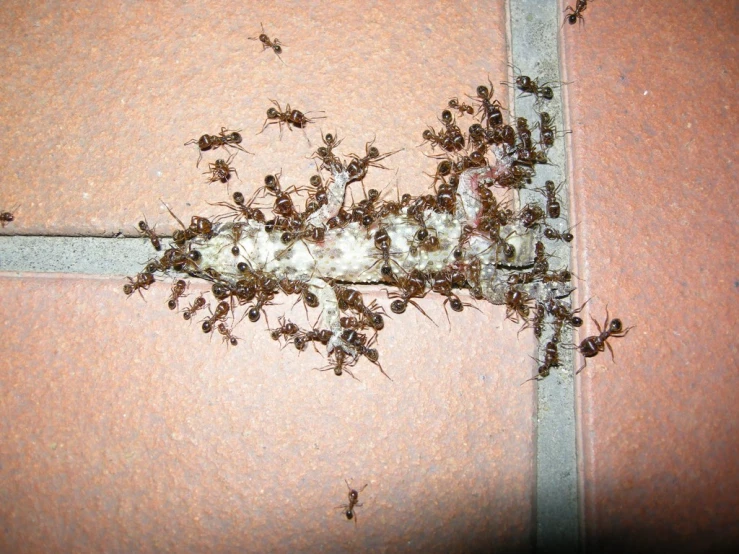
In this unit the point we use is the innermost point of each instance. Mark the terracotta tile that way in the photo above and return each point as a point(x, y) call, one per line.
point(655, 195)
point(125, 428)
point(99, 100)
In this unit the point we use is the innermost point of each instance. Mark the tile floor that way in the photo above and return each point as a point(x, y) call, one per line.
point(123, 426)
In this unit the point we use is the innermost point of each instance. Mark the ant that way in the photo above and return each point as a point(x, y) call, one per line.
point(198, 304)
point(221, 170)
point(325, 153)
point(275, 44)
point(517, 304)
point(142, 281)
point(491, 108)
point(221, 312)
point(550, 192)
point(286, 329)
point(572, 18)
point(227, 334)
point(551, 359)
point(593, 345)
point(353, 496)
point(241, 209)
point(8, 217)
point(291, 118)
point(148, 232)
point(357, 168)
point(226, 139)
point(178, 291)
point(553, 234)
point(529, 86)
point(339, 367)
point(462, 108)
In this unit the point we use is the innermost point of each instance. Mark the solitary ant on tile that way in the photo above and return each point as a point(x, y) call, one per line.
point(576, 14)
point(353, 496)
point(8, 217)
point(268, 43)
point(593, 345)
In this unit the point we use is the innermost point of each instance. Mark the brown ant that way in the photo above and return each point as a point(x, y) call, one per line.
point(551, 359)
point(325, 153)
point(178, 291)
point(226, 139)
point(488, 106)
point(227, 334)
point(286, 329)
point(462, 108)
point(220, 314)
point(339, 366)
point(547, 132)
point(242, 210)
point(550, 192)
point(291, 118)
point(198, 304)
point(531, 87)
point(353, 496)
point(268, 43)
point(576, 14)
point(553, 234)
point(8, 217)
point(517, 304)
point(149, 233)
point(357, 168)
point(221, 170)
point(142, 281)
point(593, 345)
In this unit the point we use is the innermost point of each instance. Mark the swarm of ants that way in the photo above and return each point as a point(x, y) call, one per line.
point(462, 235)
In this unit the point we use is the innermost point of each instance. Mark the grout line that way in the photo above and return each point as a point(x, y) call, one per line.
point(85, 255)
point(534, 47)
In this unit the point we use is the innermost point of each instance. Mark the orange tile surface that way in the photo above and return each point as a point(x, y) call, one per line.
point(653, 115)
point(99, 99)
point(127, 429)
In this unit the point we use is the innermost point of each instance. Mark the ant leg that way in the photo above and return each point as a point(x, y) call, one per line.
point(611, 350)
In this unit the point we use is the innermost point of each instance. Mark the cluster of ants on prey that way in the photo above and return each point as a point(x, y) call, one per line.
point(461, 235)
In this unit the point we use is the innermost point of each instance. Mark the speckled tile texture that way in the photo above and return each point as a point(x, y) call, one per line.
point(654, 119)
point(99, 98)
point(127, 430)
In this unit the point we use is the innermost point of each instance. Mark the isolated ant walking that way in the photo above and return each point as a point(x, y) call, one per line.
point(267, 43)
point(288, 116)
point(593, 345)
point(353, 496)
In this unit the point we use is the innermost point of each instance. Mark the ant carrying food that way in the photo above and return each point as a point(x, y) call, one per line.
point(288, 116)
point(353, 496)
point(267, 43)
point(593, 345)
point(226, 139)
point(576, 14)
point(149, 233)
